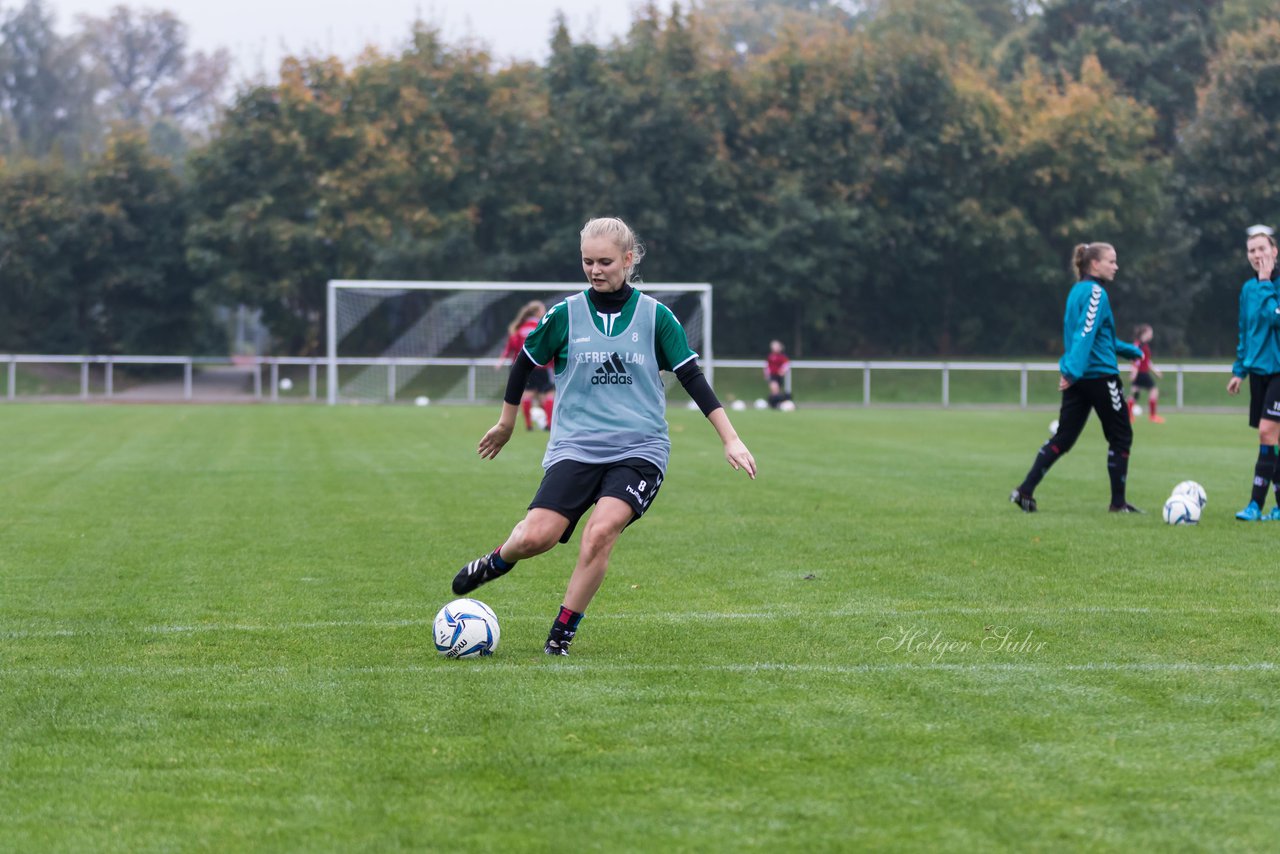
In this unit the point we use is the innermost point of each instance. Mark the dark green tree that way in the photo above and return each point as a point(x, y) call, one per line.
point(1229, 160)
point(1155, 50)
point(144, 296)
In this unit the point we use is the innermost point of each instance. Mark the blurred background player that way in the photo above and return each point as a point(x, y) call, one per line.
point(1258, 358)
point(776, 367)
point(540, 389)
point(1089, 380)
point(1143, 375)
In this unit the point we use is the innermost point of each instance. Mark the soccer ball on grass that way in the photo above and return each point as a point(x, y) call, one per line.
point(466, 628)
point(1181, 510)
point(1192, 490)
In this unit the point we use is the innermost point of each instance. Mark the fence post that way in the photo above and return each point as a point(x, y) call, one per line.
point(866, 383)
point(84, 378)
point(275, 380)
point(471, 383)
point(1179, 385)
point(110, 378)
point(1022, 385)
point(946, 385)
point(257, 378)
point(391, 381)
point(311, 380)
point(13, 377)
point(186, 379)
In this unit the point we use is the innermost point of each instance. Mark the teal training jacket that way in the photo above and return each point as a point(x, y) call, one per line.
point(1089, 335)
point(1258, 344)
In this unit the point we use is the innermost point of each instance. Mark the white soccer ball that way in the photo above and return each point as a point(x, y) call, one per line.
point(1192, 490)
point(1053, 427)
point(761, 403)
point(739, 405)
point(466, 628)
point(538, 416)
point(286, 384)
point(1136, 410)
point(786, 406)
point(1181, 510)
point(422, 400)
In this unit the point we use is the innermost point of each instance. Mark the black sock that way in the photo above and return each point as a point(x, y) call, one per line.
point(499, 564)
point(565, 626)
point(1048, 455)
point(1263, 471)
point(1118, 471)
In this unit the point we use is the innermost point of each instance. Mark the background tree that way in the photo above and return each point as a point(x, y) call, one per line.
point(46, 95)
point(48, 240)
point(146, 77)
point(143, 295)
point(1156, 51)
point(1230, 160)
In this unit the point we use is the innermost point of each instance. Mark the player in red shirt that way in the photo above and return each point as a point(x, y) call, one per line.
point(775, 374)
point(1143, 375)
point(540, 388)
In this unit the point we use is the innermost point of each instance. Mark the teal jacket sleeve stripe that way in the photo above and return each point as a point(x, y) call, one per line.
point(1087, 308)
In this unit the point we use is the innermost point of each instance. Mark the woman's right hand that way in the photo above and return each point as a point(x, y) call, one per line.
point(498, 436)
point(1266, 266)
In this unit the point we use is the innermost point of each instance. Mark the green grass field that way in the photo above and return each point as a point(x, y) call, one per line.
point(215, 635)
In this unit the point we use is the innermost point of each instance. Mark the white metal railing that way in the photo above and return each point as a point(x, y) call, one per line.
point(255, 366)
point(945, 368)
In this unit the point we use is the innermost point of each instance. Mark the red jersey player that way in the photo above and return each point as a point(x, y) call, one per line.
point(540, 389)
point(1143, 375)
point(775, 374)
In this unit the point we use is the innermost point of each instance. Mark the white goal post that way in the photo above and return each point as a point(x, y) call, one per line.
point(389, 340)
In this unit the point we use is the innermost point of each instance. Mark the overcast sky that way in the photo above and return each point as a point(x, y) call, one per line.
point(259, 32)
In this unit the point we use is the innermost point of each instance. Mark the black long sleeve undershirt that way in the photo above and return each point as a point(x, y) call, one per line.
point(695, 383)
point(518, 378)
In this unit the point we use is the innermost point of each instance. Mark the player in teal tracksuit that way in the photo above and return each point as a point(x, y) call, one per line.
point(1090, 380)
point(1258, 358)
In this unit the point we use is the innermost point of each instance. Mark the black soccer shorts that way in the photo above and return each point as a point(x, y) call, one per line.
point(571, 488)
point(1264, 398)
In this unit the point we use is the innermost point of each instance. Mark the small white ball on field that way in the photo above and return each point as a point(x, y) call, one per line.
point(738, 405)
point(1194, 491)
point(538, 416)
point(422, 400)
point(286, 384)
point(761, 403)
point(1181, 510)
point(1137, 411)
point(1053, 427)
point(466, 628)
point(786, 406)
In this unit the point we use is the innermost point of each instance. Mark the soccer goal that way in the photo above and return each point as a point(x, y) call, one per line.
point(391, 341)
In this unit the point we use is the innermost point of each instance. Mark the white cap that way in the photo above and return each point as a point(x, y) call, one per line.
point(1254, 230)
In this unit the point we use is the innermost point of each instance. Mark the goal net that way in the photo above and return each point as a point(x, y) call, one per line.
point(392, 341)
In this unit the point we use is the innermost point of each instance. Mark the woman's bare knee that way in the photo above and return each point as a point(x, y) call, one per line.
point(537, 533)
